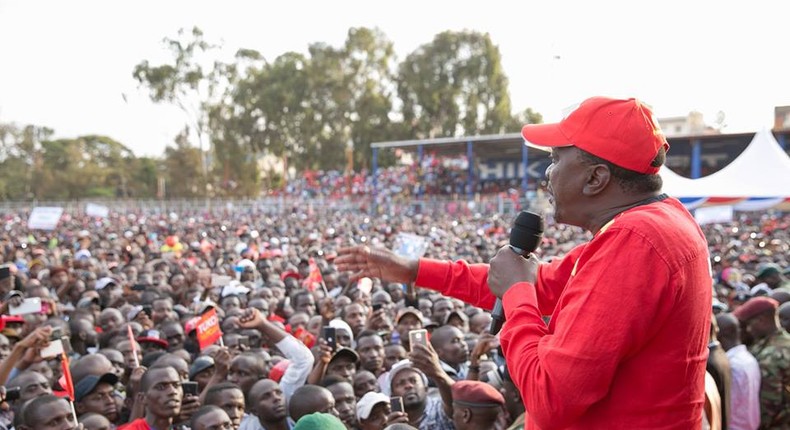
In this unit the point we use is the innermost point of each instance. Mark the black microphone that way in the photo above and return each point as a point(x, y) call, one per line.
point(525, 236)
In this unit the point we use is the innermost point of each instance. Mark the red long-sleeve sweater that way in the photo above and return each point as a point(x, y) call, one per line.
point(630, 315)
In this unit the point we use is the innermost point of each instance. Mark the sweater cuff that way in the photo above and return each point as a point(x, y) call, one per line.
point(430, 271)
point(519, 295)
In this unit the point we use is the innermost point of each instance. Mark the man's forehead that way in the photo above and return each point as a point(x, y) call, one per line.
point(32, 378)
point(167, 374)
point(231, 394)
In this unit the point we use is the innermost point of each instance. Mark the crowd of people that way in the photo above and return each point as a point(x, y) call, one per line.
point(124, 294)
point(436, 176)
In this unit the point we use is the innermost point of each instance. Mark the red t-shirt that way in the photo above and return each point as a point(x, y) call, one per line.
point(626, 346)
point(138, 424)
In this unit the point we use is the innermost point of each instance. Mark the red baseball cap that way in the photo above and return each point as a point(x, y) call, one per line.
point(621, 131)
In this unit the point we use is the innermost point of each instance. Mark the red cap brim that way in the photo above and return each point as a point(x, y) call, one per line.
point(545, 135)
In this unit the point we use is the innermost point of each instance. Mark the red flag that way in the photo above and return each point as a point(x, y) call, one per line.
point(208, 330)
point(68, 383)
point(314, 279)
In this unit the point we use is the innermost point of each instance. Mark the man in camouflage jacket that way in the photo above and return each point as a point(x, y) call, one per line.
point(771, 348)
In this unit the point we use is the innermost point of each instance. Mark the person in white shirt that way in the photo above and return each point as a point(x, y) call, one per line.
point(745, 395)
point(300, 357)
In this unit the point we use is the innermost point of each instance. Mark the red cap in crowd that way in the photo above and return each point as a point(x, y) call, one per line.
point(476, 394)
point(621, 131)
point(754, 307)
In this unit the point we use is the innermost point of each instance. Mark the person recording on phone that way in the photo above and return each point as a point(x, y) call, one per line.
point(628, 310)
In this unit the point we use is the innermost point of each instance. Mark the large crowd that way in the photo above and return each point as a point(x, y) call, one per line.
point(435, 176)
point(124, 296)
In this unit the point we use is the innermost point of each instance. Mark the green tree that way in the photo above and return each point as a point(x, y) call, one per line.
point(368, 77)
point(182, 169)
point(455, 86)
point(144, 175)
point(527, 116)
point(183, 83)
point(87, 166)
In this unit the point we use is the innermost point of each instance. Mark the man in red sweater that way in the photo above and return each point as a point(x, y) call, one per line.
point(626, 344)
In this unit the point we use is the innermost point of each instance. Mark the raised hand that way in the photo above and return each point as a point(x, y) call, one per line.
point(251, 318)
point(376, 263)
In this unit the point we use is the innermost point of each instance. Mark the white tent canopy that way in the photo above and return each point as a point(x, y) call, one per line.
point(761, 171)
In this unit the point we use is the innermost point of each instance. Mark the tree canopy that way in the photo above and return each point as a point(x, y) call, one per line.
point(317, 110)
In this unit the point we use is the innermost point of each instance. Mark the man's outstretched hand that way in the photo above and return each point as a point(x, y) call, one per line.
point(376, 263)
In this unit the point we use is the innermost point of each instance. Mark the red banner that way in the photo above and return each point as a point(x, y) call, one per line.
point(208, 330)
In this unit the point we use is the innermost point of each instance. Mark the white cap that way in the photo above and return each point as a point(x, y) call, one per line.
point(82, 253)
point(401, 366)
point(234, 288)
point(103, 282)
point(368, 401)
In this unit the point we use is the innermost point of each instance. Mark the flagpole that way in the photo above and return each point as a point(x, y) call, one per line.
point(132, 343)
point(65, 365)
point(73, 411)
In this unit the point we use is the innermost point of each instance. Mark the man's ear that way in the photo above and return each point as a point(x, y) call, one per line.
point(79, 408)
point(466, 414)
point(598, 178)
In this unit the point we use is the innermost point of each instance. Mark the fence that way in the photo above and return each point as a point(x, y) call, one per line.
point(484, 205)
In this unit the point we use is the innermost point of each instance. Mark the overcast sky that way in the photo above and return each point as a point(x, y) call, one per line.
point(66, 64)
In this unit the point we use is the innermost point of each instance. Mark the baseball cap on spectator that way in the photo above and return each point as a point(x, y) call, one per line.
point(476, 394)
point(82, 254)
point(399, 367)
point(89, 383)
point(430, 324)
point(409, 311)
point(153, 336)
point(290, 274)
point(755, 307)
point(102, 283)
point(620, 131)
point(235, 288)
point(338, 323)
point(345, 352)
point(319, 421)
point(456, 314)
point(87, 301)
point(10, 320)
point(201, 363)
point(761, 289)
point(719, 306)
point(368, 401)
point(768, 269)
point(278, 370)
point(245, 263)
point(133, 312)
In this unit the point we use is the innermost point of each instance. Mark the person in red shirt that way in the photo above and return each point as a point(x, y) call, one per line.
point(163, 394)
point(626, 343)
